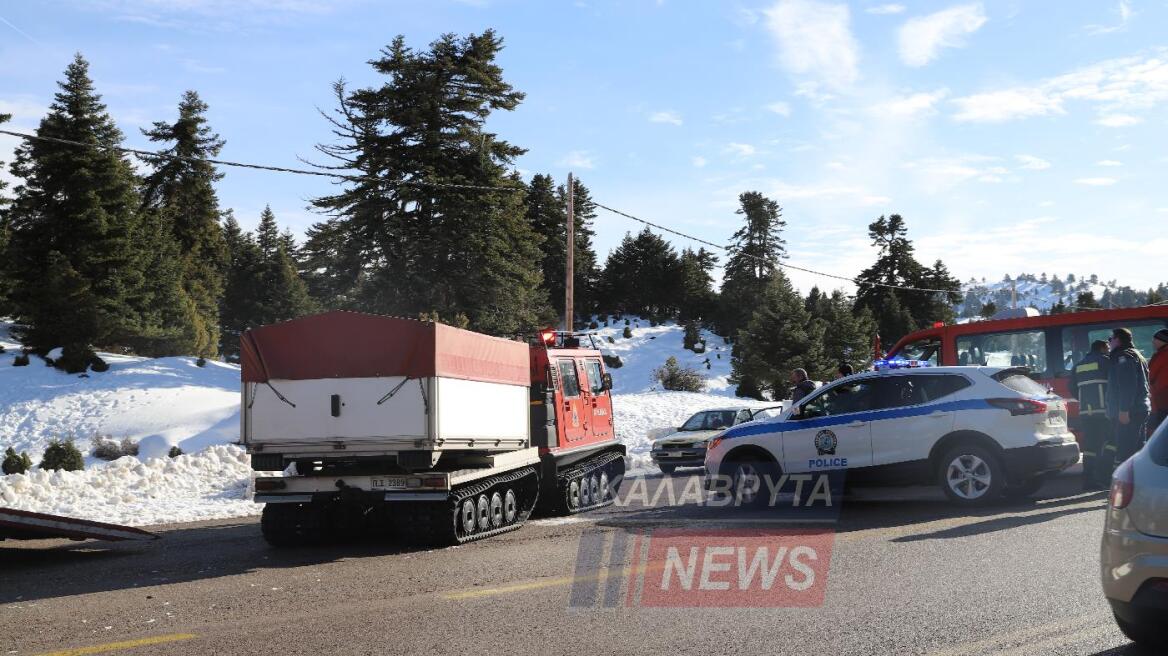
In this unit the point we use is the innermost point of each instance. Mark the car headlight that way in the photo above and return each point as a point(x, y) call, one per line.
point(714, 441)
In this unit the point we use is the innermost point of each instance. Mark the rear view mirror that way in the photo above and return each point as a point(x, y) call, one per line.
point(606, 382)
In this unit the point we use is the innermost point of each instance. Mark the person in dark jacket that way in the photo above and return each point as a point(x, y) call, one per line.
point(1127, 394)
point(803, 386)
point(1158, 379)
point(844, 370)
point(1089, 380)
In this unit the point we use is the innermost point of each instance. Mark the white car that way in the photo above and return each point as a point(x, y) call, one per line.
point(685, 446)
point(978, 432)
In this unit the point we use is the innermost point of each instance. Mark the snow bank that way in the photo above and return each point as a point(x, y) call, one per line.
point(157, 402)
point(164, 402)
point(636, 414)
point(211, 484)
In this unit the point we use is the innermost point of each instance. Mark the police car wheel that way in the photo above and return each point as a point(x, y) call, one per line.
point(970, 475)
point(749, 481)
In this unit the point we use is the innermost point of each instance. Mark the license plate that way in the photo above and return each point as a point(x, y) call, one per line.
point(388, 482)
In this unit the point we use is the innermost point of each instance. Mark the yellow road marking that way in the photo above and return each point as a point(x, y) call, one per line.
point(1041, 631)
point(126, 644)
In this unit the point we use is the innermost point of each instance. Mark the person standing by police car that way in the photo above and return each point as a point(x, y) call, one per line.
point(803, 385)
point(1127, 394)
point(1090, 382)
point(1158, 379)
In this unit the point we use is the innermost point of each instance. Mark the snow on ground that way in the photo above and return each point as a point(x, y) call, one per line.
point(155, 402)
point(211, 484)
point(171, 401)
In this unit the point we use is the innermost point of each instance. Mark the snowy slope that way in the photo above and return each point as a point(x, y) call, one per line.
point(156, 402)
point(1030, 293)
point(171, 401)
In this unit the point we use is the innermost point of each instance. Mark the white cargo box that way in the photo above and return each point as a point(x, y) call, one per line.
point(362, 384)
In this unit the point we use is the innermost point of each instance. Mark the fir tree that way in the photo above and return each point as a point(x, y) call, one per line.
point(900, 311)
point(282, 295)
point(642, 276)
point(754, 254)
point(698, 300)
point(780, 337)
point(74, 223)
point(426, 247)
point(847, 335)
point(239, 306)
point(182, 192)
point(5, 236)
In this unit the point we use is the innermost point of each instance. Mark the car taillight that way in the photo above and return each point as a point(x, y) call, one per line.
point(1123, 485)
point(1019, 406)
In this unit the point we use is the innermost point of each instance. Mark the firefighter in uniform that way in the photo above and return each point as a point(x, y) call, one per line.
point(1090, 381)
point(1127, 395)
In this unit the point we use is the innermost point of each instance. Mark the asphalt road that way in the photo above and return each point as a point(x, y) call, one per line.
point(907, 574)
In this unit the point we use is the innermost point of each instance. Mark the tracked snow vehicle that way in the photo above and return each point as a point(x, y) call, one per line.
point(362, 424)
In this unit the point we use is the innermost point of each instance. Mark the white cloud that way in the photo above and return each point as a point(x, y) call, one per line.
point(998, 106)
point(1108, 162)
point(884, 10)
point(579, 159)
point(1125, 13)
point(698, 161)
point(939, 174)
point(1032, 163)
point(670, 117)
point(1046, 203)
point(1096, 182)
point(781, 108)
point(1117, 86)
point(815, 40)
point(741, 149)
point(910, 106)
point(1119, 120)
point(921, 39)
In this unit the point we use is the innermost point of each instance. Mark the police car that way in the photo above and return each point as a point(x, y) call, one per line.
point(977, 432)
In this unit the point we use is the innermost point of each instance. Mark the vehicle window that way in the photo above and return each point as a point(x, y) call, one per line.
point(1018, 349)
point(843, 399)
point(937, 387)
point(928, 349)
point(710, 420)
point(568, 374)
point(1022, 384)
point(1077, 339)
point(595, 377)
point(743, 416)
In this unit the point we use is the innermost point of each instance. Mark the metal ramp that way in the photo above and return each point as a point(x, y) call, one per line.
point(25, 525)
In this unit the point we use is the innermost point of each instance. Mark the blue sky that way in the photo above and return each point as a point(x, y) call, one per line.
point(1013, 136)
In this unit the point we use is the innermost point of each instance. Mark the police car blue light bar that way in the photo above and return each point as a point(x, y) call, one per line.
point(896, 363)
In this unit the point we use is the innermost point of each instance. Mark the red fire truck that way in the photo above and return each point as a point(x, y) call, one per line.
point(364, 423)
point(1048, 345)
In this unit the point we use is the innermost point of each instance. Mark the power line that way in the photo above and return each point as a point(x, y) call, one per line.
point(444, 185)
point(766, 261)
point(258, 167)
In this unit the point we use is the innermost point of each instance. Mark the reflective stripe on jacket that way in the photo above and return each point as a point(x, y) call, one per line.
point(1090, 377)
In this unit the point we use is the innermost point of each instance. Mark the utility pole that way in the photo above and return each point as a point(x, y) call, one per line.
point(1014, 294)
point(569, 282)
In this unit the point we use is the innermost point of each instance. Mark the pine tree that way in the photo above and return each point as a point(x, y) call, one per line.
point(426, 247)
point(182, 191)
point(900, 311)
point(754, 254)
point(989, 310)
point(282, 294)
point(642, 276)
point(239, 306)
point(5, 237)
point(780, 337)
point(847, 335)
point(74, 222)
point(698, 299)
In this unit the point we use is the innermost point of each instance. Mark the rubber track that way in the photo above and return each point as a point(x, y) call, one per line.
point(435, 523)
point(565, 478)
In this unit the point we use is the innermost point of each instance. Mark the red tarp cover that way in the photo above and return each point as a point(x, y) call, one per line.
point(354, 345)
